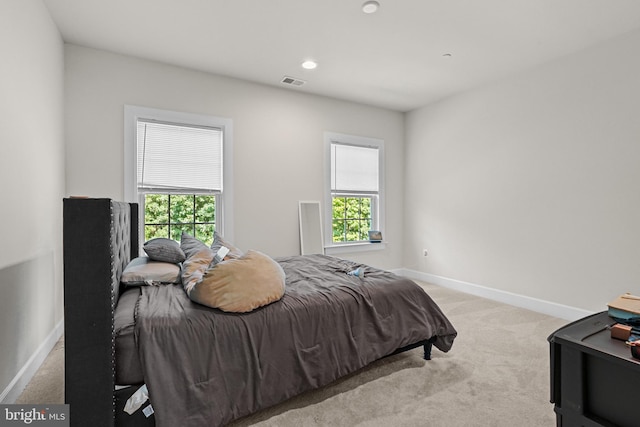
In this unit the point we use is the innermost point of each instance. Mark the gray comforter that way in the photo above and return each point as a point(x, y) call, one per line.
point(204, 367)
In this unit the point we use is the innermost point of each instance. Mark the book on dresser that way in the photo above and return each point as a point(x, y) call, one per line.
point(625, 308)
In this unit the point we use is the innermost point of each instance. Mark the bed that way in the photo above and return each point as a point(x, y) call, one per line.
point(203, 366)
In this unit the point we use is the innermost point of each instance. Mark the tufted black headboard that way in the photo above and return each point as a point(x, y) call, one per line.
point(100, 238)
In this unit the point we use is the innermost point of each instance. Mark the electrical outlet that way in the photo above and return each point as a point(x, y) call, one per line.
point(425, 252)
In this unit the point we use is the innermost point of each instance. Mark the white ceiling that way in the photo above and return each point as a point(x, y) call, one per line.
point(394, 58)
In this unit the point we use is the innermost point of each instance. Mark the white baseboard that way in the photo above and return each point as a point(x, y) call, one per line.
point(22, 378)
point(534, 304)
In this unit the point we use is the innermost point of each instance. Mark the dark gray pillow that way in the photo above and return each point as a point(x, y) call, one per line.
point(165, 250)
point(190, 245)
point(142, 271)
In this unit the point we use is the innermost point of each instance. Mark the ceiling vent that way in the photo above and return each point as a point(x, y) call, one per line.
point(292, 81)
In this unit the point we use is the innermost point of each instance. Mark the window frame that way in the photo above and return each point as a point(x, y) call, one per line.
point(378, 203)
point(224, 200)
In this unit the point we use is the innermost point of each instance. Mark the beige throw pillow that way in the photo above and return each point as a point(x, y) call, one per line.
point(240, 285)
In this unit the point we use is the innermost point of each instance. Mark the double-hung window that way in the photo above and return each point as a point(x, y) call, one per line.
point(355, 193)
point(178, 176)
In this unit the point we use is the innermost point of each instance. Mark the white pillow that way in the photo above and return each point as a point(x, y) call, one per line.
point(142, 271)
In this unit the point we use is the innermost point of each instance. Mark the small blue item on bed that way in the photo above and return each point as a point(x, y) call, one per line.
point(358, 272)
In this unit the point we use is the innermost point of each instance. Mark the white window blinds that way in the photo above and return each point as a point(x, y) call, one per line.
point(354, 169)
point(179, 157)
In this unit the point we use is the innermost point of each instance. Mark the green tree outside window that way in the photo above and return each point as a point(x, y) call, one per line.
point(168, 215)
point(351, 218)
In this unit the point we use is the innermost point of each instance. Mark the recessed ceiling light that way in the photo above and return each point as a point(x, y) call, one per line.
point(370, 6)
point(309, 64)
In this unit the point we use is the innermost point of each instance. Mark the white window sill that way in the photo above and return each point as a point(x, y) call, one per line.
point(354, 247)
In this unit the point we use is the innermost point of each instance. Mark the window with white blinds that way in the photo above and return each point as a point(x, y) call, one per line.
point(354, 169)
point(179, 158)
point(354, 201)
point(178, 167)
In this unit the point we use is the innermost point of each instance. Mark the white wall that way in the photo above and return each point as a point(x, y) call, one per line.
point(532, 185)
point(278, 141)
point(32, 177)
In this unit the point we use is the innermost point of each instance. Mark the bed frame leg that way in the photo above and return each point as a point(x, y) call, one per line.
point(427, 350)
point(427, 344)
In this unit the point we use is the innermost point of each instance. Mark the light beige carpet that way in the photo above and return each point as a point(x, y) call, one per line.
point(47, 384)
point(496, 374)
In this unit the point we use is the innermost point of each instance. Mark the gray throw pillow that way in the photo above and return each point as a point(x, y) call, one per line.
point(190, 245)
point(165, 250)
